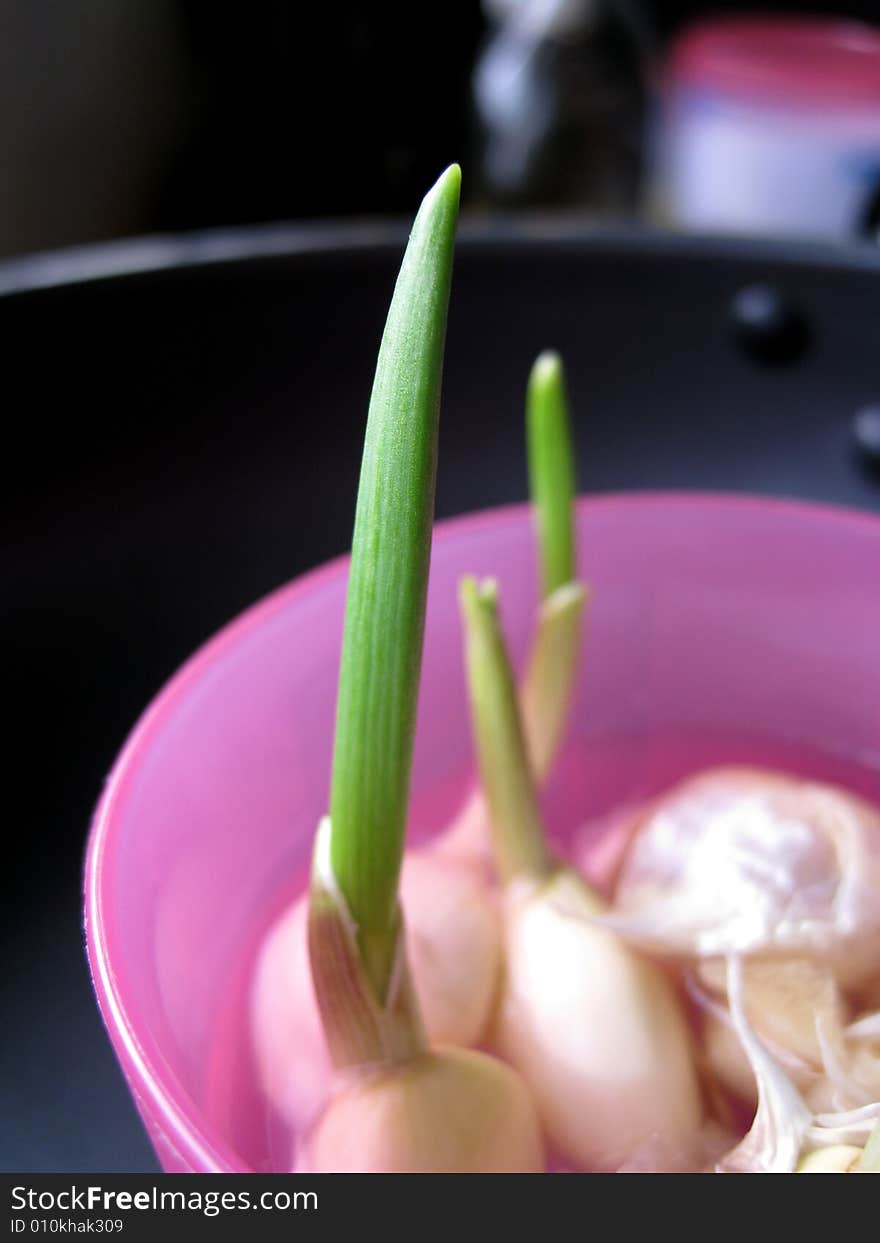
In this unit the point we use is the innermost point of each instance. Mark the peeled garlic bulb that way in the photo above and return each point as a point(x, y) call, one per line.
point(747, 861)
point(596, 1031)
point(450, 1111)
point(454, 946)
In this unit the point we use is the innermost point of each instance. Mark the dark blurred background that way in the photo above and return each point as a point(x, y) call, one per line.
point(161, 115)
point(169, 435)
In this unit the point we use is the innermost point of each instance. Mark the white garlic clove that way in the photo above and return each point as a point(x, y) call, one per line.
point(596, 1031)
point(450, 1111)
point(838, 1159)
point(782, 1120)
point(289, 1046)
point(454, 947)
point(786, 1000)
point(747, 861)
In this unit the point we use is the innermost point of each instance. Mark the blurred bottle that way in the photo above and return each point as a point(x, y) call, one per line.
point(770, 125)
point(560, 94)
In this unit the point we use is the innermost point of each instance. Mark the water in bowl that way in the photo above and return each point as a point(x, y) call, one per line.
point(584, 790)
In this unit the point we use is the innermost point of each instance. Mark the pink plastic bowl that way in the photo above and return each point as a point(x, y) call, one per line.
point(721, 629)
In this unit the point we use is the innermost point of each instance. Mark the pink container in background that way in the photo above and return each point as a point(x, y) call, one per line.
point(770, 125)
point(722, 629)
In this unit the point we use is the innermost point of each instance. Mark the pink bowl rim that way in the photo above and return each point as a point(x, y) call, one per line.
point(185, 1134)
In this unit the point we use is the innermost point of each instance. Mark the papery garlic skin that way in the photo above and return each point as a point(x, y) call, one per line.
point(851, 1065)
point(786, 1000)
point(852, 1081)
point(800, 1015)
point(450, 1111)
point(596, 1031)
point(730, 1067)
point(749, 861)
point(775, 1140)
point(785, 1130)
point(454, 946)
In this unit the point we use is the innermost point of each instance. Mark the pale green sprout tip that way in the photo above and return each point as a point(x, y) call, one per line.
point(505, 768)
point(550, 674)
point(551, 471)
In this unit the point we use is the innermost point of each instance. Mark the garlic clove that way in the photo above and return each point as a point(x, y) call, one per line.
point(450, 1111)
point(601, 845)
point(869, 1161)
point(289, 1045)
point(851, 1077)
point(659, 1155)
point(454, 946)
point(863, 1048)
point(466, 840)
point(729, 1066)
point(595, 1030)
point(748, 861)
point(398, 1106)
point(838, 1159)
point(726, 1061)
point(782, 1120)
point(799, 1013)
point(868, 995)
point(866, 1027)
point(785, 999)
point(852, 1126)
point(785, 1130)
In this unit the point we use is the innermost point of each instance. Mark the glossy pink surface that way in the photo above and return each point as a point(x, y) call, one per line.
point(721, 629)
